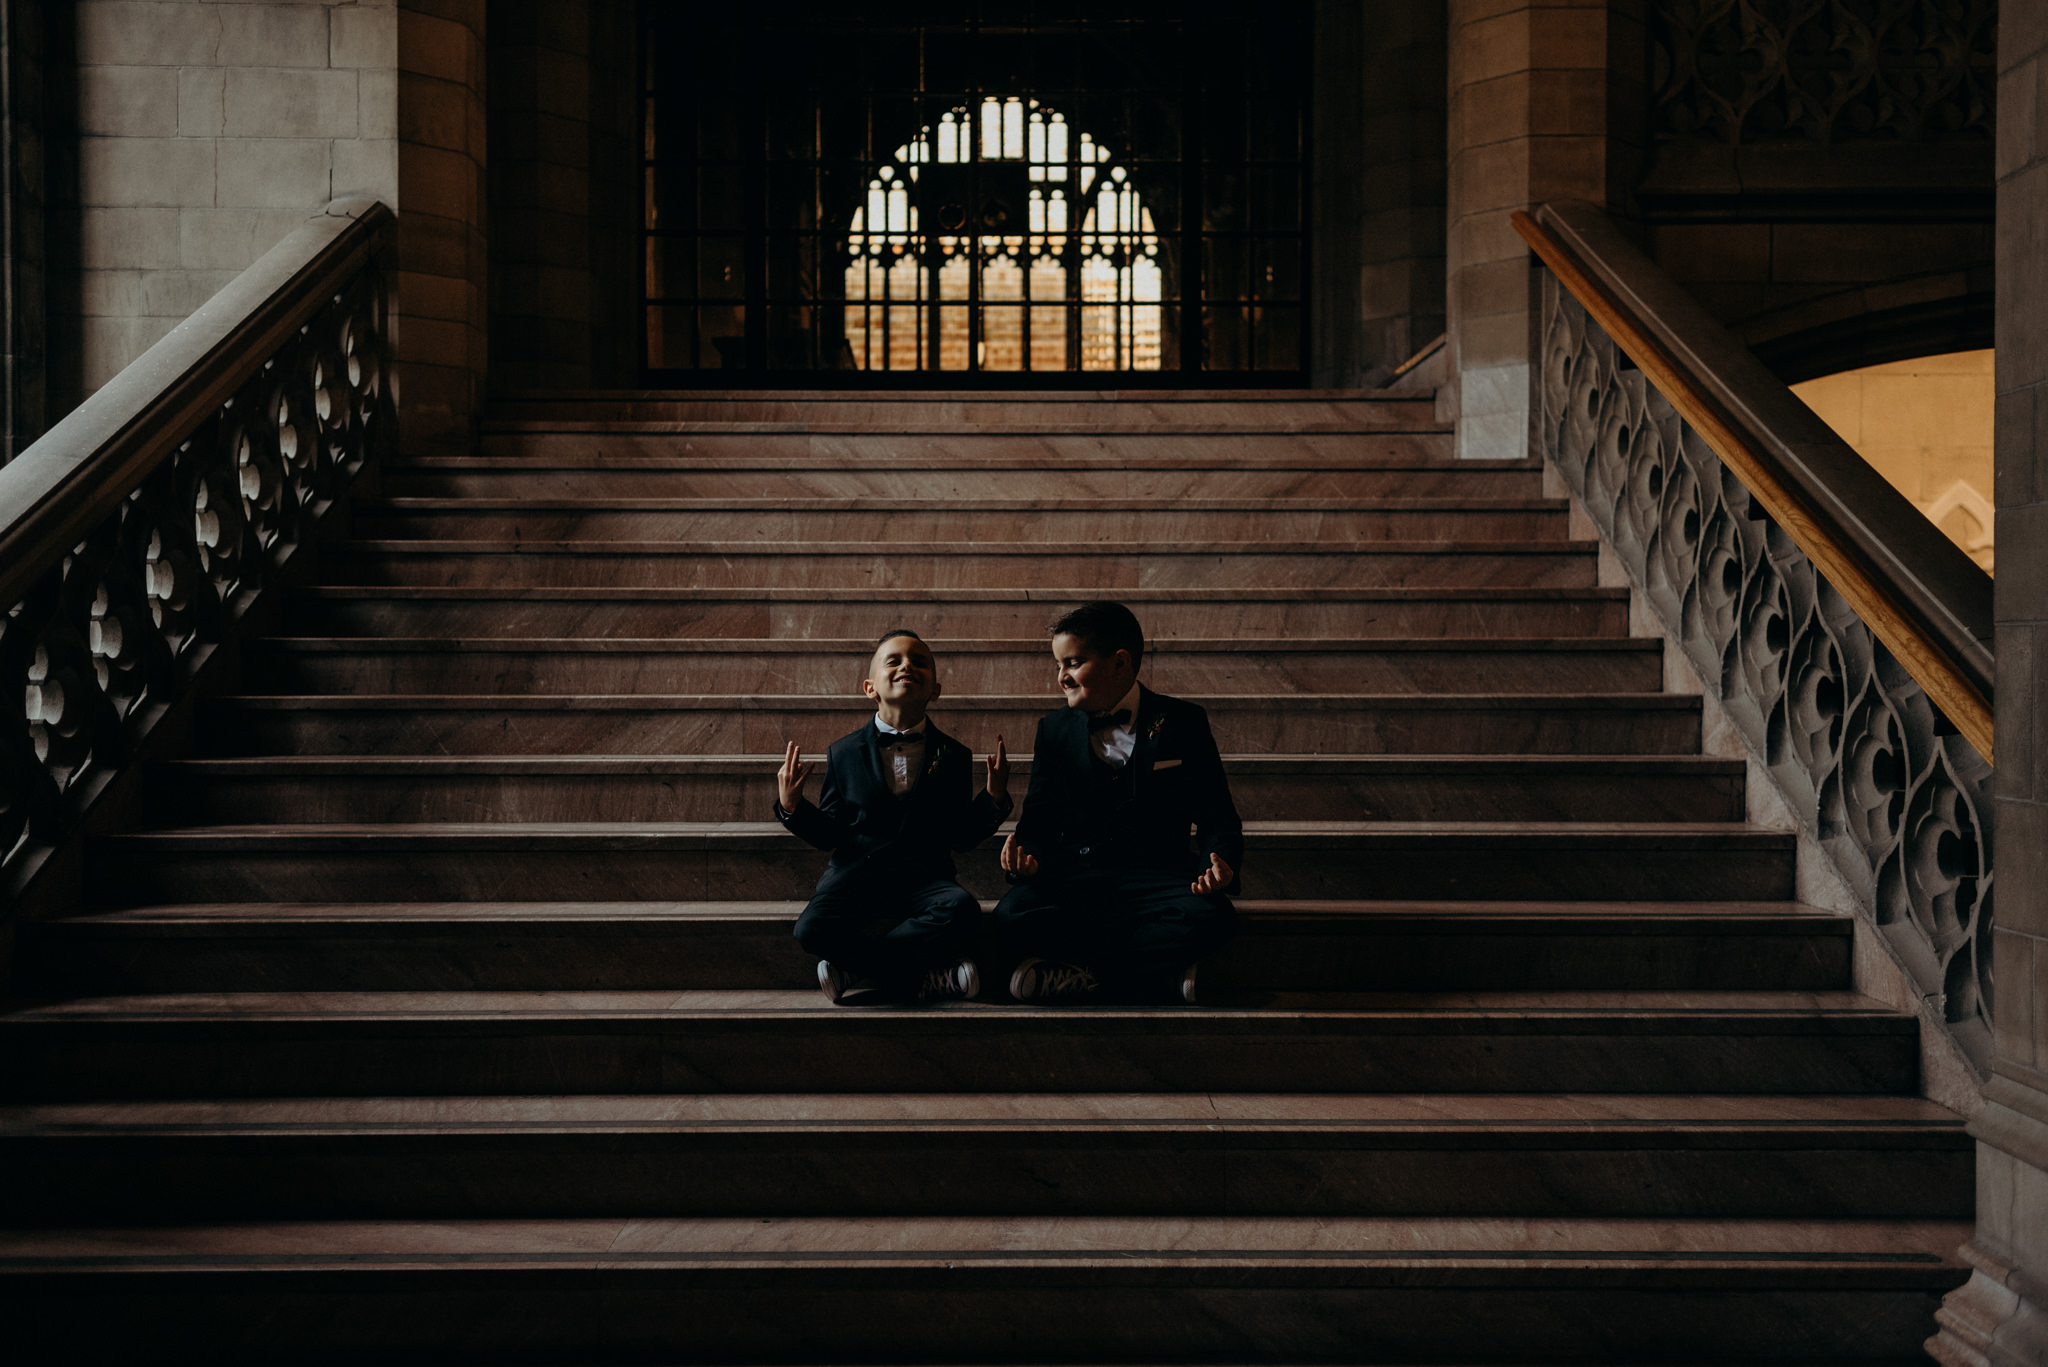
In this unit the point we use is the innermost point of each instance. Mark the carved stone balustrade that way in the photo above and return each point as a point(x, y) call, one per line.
point(1878, 777)
point(135, 534)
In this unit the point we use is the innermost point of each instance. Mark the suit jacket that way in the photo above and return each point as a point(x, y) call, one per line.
point(1078, 818)
point(869, 829)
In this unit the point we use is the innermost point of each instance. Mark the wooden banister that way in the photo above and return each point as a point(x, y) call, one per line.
point(1927, 602)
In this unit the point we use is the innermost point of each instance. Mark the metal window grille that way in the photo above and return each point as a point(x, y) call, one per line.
point(975, 193)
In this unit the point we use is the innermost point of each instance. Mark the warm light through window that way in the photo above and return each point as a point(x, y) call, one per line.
point(1043, 295)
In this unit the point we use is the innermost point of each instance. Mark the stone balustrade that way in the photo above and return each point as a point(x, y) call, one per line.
point(138, 531)
point(1877, 776)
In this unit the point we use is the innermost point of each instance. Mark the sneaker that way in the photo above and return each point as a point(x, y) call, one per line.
point(842, 988)
point(1188, 991)
point(1045, 980)
point(961, 981)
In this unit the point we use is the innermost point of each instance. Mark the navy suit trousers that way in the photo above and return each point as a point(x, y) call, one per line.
point(1134, 928)
point(936, 922)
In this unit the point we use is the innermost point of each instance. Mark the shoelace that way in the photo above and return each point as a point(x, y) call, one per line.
point(1053, 982)
point(945, 981)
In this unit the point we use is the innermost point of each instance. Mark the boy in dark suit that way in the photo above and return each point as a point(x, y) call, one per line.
point(1107, 889)
point(895, 805)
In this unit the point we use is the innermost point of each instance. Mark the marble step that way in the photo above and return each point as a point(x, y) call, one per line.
point(1016, 1289)
point(835, 668)
point(604, 724)
point(809, 614)
point(1297, 946)
point(251, 1044)
point(1102, 569)
point(508, 861)
point(990, 468)
point(742, 787)
point(1045, 520)
point(989, 411)
point(1200, 1155)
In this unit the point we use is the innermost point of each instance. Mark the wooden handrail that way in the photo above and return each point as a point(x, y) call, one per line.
point(78, 472)
point(1918, 593)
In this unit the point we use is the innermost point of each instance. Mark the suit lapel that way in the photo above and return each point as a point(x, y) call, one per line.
point(1141, 739)
point(1082, 752)
point(871, 757)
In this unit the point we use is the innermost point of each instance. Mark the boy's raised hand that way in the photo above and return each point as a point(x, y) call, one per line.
point(999, 772)
point(1015, 860)
point(1214, 878)
point(789, 779)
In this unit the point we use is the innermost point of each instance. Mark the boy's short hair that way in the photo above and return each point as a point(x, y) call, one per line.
point(893, 632)
point(1109, 627)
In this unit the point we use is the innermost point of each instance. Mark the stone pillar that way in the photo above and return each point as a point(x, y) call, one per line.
point(2000, 1317)
point(1546, 102)
point(443, 254)
point(565, 197)
point(1379, 178)
point(21, 224)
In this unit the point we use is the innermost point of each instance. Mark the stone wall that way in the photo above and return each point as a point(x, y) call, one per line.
point(2001, 1316)
point(188, 136)
point(1820, 176)
point(23, 258)
point(1926, 426)
point(195, 136)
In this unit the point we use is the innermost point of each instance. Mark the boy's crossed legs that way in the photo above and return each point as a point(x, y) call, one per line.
point(1137, 931)
point(939, 926)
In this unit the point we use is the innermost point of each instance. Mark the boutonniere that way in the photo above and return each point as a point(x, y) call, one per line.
point(1158, 725)
point(933, 767)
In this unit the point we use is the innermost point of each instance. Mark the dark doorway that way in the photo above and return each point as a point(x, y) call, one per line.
point(975, 194)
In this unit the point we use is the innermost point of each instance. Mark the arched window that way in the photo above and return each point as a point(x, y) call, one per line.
point(1002, 240)
point(1028, 197)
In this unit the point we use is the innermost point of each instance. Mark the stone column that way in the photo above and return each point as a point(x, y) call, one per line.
point(2000, 1317)
point(1379, 178)
point(21, 224)
point(565, 196)
point(443, 255)
point(1546, 102)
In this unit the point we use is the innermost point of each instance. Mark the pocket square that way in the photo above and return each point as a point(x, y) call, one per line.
point(1164, 764)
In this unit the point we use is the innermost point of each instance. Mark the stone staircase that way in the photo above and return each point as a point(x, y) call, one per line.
point(443, 1008)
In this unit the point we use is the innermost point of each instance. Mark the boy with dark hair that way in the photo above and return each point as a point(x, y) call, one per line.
point(1107, 890)
point(894, 807)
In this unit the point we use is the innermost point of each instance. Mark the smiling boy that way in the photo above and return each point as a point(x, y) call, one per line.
point(1108, 891)
point(895, 805)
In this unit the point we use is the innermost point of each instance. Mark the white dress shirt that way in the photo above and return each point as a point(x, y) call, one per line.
point(1114, 744)
point(901, 763)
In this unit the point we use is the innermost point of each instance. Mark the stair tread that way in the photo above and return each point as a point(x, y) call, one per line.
point(1033, 549)
point(686, 833)
point(1735, 1011)
point(882, 503)
point(1513, 593)
point(1254, 915)
point(963, 702)
point(1122, 1242)
point(856, 648)
point(1698, 1117)
point(334, 765)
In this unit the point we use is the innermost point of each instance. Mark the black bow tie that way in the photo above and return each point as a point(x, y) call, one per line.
point(900, 738)
point(1105, 720)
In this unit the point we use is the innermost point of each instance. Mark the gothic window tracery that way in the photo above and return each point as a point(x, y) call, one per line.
point(944, 271)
